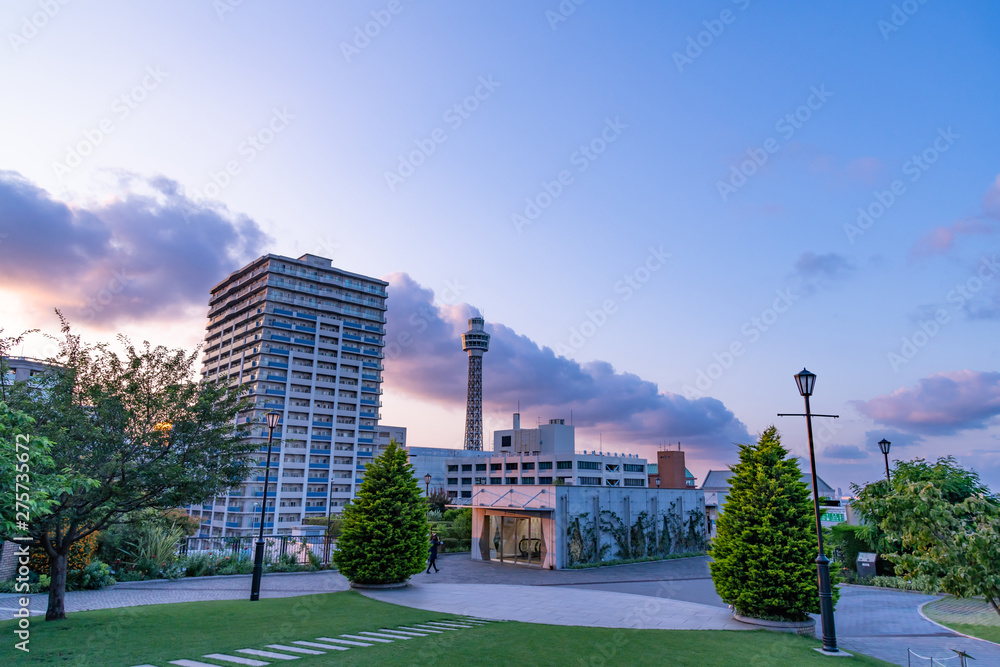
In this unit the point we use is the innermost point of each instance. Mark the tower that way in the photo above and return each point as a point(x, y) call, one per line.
point(476, 342)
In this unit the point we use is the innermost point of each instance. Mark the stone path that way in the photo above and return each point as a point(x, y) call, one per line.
point(561, 606)
point(293, 650)
point(193, 589)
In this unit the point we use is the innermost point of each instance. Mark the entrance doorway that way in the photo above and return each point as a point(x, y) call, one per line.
point(514, 539)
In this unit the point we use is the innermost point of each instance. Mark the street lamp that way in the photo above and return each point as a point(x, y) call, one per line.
point(427, 485)
point(806, 382)
point(657, 482)
point(258, 560)
point(883, 444)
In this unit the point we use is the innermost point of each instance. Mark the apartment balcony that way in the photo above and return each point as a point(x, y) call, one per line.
point(365, 427)
point(282, 325)
point(234, 509)
point(274, 392)
point(303, 341)
point(323, 424)
point(275, 378)
point(366, 441)
point(232, 524)
point(350, 336)
point(319, 451)
point(316, 494)
point(371, 390)
point(316, 480)
point(274, 350)
point(350, 348)
point(321, 466)
point(283, 339)
point(277, 406)
point(207, 508)
point(270, 480)
point(322, 438)
point(368, 376)
point(370, 401)
point(259, 494)
point(373, 354)
point(276, 364)
point(371, 364)
point(364, 453)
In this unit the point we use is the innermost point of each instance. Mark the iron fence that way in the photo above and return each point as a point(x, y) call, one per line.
point(275, 547)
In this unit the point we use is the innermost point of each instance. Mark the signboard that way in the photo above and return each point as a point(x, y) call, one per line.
point(832, 515)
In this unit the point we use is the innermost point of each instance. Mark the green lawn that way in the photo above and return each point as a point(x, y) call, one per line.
point(973, 617)
point(157, 634)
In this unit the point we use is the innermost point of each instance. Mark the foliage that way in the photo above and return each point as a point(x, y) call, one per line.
point(847, 542)
point(899, 583)
point(154, 551)
point(765, 551)
point(629, 561)
point(80, 555)
point(638, 542)
point(334, 524)
point(385, 533)
point(954, 546)
point(437, 500)
point(94, 576)
point(954, 482)
point(111, 455)
point(239, 564)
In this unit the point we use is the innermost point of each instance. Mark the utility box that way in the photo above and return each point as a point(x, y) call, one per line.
point(866, 564)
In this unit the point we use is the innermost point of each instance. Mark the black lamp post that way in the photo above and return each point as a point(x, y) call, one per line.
point(883, 444)
point(657, 481)
point(806, 381)
point(427, 485)
point(258, 559)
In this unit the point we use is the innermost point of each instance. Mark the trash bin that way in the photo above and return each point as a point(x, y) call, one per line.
point(866, 564)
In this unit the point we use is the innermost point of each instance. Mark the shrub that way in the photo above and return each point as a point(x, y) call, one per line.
point(81, 553)
point(847, 543)
point(765, 550)
point(241, 564)
point(385, 538)
point(95, 576)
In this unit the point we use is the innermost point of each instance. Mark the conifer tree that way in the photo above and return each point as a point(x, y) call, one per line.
point(764, 554)
point(385, 532)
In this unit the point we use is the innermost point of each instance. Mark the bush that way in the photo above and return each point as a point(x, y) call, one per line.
point(241, 564)
point(847, 543)
point(385, 538)
point(95, 576)
point(764, 553)
point(81, 553)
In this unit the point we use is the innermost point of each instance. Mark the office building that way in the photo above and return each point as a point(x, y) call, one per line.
point(306, 339)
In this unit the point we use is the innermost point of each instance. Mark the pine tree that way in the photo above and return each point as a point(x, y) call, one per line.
point(385, 532)
point(764, 554)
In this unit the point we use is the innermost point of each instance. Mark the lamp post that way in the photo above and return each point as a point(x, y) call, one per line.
point(258, 559)
point(883, 444)
point(427, 485)
point(657, 482)
point(806, 381)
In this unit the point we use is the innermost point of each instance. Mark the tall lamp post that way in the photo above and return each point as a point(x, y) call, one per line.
point(806, 381)
point(258, 559)
point(427, 485)
point(883, 444)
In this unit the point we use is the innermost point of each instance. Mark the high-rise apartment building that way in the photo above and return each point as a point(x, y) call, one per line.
point(306, 339)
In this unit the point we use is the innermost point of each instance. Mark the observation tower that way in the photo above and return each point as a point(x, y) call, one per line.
point(476, 342)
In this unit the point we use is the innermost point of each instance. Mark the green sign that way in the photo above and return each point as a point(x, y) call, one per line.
point(833, 515)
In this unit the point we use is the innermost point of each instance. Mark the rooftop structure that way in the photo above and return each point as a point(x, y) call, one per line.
point(476, 342)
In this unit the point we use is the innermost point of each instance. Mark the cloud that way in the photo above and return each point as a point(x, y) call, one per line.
point(814, 271)
point(941, 240)
point(941, 404)
point(148, 252)
point(424, 359)
point(897, 438)
point(845, 452)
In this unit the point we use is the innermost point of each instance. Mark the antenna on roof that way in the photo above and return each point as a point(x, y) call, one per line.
point(570, 417)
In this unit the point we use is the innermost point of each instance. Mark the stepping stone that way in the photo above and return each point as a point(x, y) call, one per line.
point(437, 632)
point(267, 654)
point(328, 647)
point(431, 628)
point(375, 634)
point(342, 641)
point(402, 632)
point(238, 660)
point(194, 663)
point(474, 621)
point(294, 649)
point(143, 665)
point(446, 624)
point(368, 639)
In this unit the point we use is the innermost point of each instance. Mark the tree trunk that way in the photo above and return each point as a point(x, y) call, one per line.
point(993, 602)
point(57, 588)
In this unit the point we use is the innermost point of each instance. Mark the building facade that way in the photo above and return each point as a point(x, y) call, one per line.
point(306, 339)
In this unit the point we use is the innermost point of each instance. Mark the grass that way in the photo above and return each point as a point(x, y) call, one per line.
point(630, 561)
point(156, 634)
point(974, 617)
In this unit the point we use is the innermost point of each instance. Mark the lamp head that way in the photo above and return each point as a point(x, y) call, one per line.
point(427, 478)
point(272, 419)
point(657, 481)
point(883, 444)
point(806, 382)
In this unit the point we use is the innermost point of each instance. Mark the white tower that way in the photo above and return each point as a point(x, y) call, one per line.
point(476, 342)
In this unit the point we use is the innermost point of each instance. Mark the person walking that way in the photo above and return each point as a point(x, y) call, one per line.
point(432, 561)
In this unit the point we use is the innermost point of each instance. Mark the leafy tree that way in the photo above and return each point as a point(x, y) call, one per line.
point(334, 524)
point(437, 501)
point(764, 553)
point(385, 533)
point(951, 546)
point(953, 482)
point(105, 415)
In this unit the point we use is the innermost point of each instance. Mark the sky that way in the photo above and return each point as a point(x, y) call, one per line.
point(663, 210)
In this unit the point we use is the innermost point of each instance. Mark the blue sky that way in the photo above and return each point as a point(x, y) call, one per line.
point(643, 188)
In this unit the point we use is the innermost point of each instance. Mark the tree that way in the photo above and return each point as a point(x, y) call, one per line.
point(951, 546)
point(128, 432)
point(764, 553)
point(953, 482)
point(437, 501)
point(385, 533)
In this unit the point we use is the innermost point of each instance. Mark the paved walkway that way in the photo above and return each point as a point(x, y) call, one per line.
point(561, 606)
point(194, 589)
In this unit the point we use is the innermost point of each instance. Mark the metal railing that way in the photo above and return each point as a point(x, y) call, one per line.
point(275, 547)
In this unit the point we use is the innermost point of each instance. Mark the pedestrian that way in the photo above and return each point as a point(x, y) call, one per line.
point(432, 561)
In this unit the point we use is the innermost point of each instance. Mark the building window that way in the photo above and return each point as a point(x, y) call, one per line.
point(453, 468)
point(635, 482)
point(590, 481)
point(453, 494)
point(544, 480)
point(480, 480)
point(564, 465)
point(527, 480)
point(611, 467)
point(611, 482)
point(466, 480)
point(495, 466)
point(496, 480)
point(512, 466)
point(528, 466)
point(468, 468)
point(452, 480)
point(634, 467)
point(588, 465)
point(511, 480)
point(505, 441)
point(466, 494)
point(545, 465)
point(480, 467)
